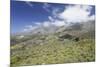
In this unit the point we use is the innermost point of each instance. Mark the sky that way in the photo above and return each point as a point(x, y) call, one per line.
point(26, 16)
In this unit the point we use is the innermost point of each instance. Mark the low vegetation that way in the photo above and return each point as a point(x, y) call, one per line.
point(53, 51)
point(66, 45)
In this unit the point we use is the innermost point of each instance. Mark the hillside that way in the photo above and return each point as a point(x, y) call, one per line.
point(54, 45)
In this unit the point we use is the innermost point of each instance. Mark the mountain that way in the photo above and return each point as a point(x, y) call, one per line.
point(51, 45)
point(80, 30)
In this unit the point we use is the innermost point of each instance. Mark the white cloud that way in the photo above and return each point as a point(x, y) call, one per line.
point(73, 14)
point(46, 23)
point(25, 29)
point(29, 27)
point(92, 17)
point(59, 23)
point(87, 8)
point(29, 3)
point(54, 23)
point(46, 7)
point(76, 13)
point(51, 19)
point(37, 23)
point(55, 12)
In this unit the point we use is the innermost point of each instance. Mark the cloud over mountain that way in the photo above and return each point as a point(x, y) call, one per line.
point(71, 14)
point(77, 13)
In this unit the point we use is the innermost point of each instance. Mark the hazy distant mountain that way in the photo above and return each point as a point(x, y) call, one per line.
point(83, 30)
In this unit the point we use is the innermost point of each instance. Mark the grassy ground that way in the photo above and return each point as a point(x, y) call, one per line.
point(53, 52)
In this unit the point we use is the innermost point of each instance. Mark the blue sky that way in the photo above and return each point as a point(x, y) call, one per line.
point(27, 15)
